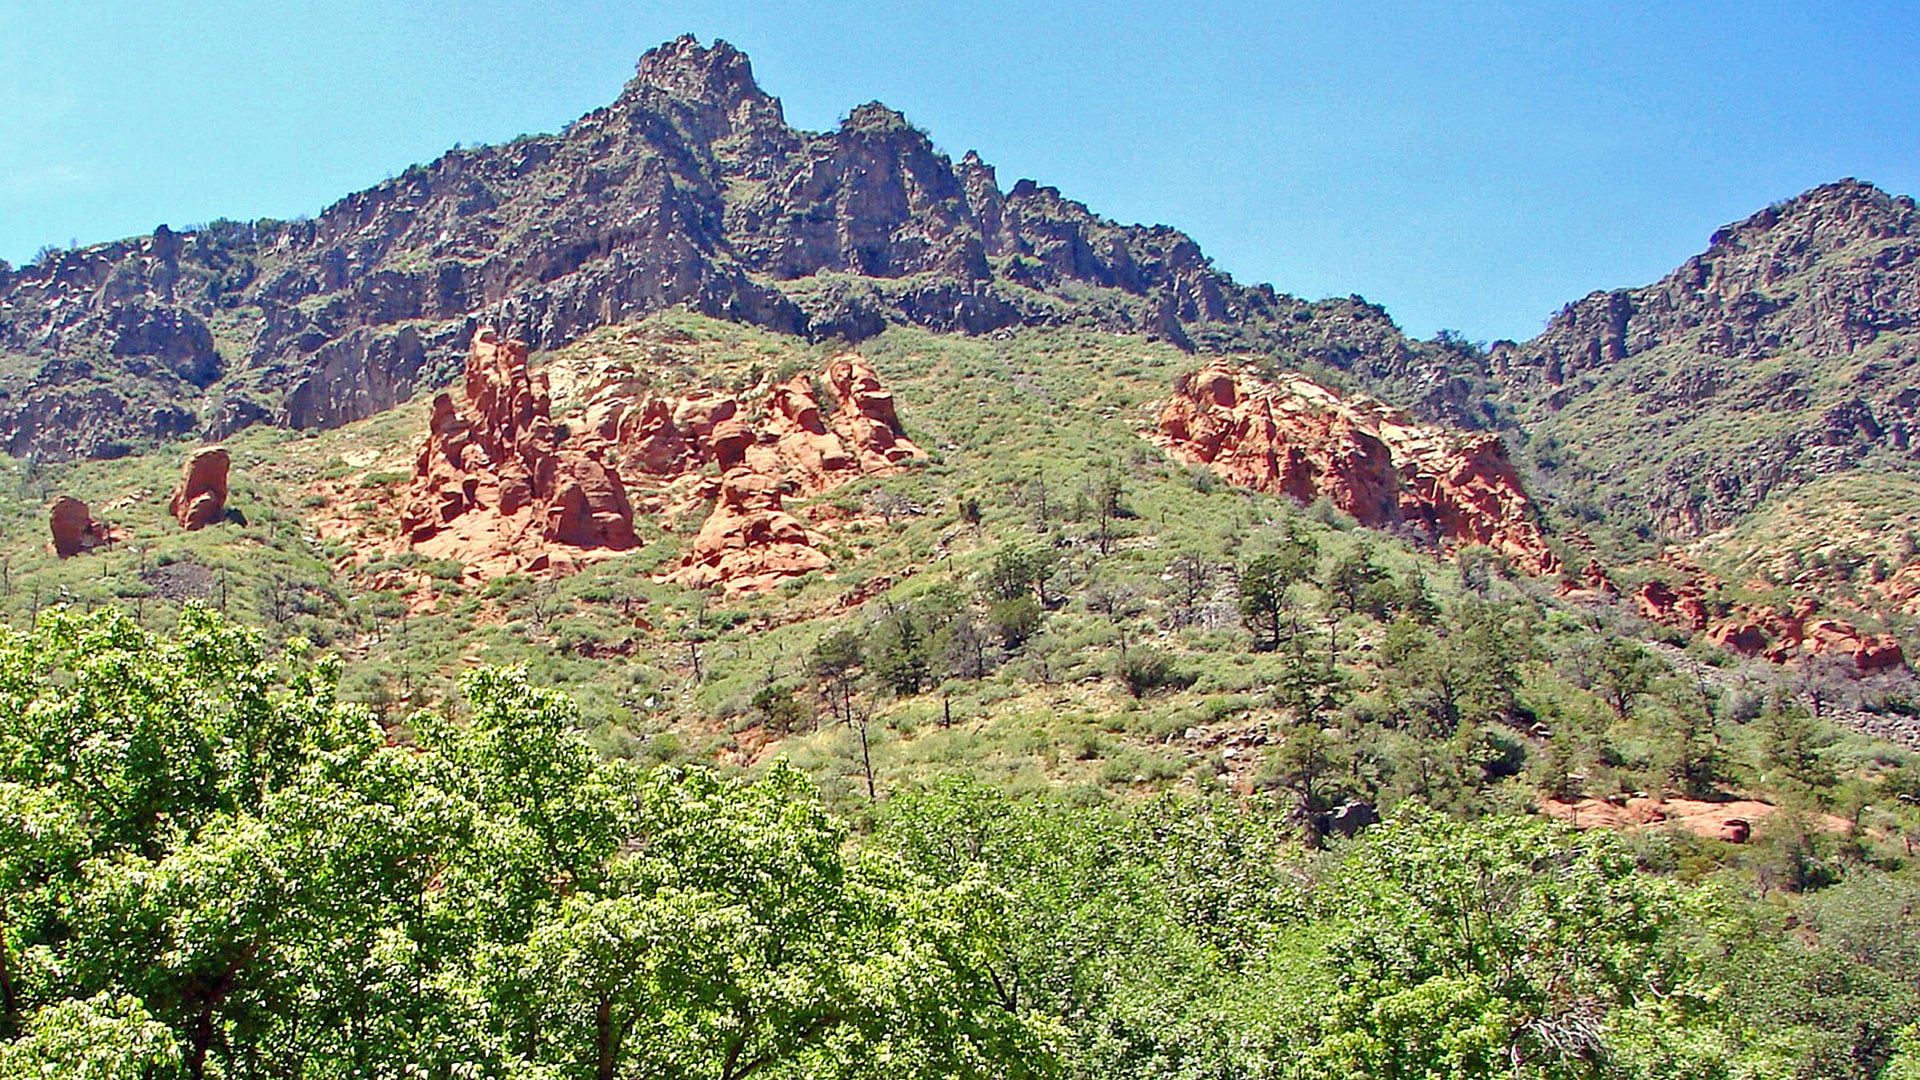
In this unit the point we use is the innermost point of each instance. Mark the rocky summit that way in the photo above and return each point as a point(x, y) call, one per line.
point(690, 189)
point(1784, 352)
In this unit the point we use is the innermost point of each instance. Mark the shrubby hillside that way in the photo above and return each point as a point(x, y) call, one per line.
point(691, 597)
point(214, 867)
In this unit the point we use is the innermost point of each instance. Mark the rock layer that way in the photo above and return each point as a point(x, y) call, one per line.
point(200, 499)
point(1295, 437)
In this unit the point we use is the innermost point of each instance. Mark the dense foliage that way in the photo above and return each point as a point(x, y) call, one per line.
point(211, 867)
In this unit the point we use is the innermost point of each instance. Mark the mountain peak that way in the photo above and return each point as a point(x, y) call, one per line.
point(685, 69)
point(874, 116)
point(1848, 208)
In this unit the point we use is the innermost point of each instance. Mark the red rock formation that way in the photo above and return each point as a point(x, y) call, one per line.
point(201, 498)
point(1732, 821)
point(1776, 634)
point(496, 486)
point(1593, 585)
point(750, 542)
point(1300, 439)
point(866, 417)
point(73, 528)
point(493, 481)
point(1683, 606)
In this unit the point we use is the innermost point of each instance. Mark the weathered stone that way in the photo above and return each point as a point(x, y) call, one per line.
point(73, 528)
point(1297, 438)
point(200, 499)
point(496, 458)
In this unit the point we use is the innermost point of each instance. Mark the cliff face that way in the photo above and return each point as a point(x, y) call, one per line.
point(1294, 437)
point(691, 189)
point(1784, 352)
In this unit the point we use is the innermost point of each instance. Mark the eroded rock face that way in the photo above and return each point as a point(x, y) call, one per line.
point(1682, 605)
point(1301, 439)
point(73, 528)
point(495, 487)
point(1780, 634)
point(201, 497)
point(749, 542)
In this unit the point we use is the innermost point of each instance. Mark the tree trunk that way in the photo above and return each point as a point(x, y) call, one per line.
point(9, 997)
point(603, 1038)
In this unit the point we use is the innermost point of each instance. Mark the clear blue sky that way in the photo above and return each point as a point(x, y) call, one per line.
point(1469, 166)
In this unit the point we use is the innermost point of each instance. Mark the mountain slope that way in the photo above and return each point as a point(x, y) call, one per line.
point(1784, 352)
point(690, 189)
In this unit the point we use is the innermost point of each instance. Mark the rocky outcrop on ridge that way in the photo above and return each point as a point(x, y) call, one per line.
point(750, 541)
point(73, 529)
point(1295, 437)
point(689, 189)
point(200, 499)
point(500, 487)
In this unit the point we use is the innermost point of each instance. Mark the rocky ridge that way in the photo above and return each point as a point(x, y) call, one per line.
point(1785, 351)
point(1294, 437)
point(690, 189)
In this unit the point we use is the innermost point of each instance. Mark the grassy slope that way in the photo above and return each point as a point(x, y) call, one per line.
point(1059, 408)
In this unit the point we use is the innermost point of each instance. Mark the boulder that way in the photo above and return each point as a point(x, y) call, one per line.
point(73, 528)
point(201, 498)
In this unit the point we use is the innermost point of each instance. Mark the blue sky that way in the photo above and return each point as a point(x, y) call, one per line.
point(1469, 166)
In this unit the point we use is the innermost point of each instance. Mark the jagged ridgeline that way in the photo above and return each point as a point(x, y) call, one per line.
point(1783, 354)
point(690, 189)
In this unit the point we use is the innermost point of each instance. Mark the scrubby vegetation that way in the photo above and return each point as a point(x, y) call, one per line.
point(214, 867)
point(1055, 771)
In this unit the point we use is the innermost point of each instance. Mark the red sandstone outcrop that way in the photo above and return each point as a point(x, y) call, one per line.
point(494, 485)
point(497, 487)
point(1732, 821)
point(73, 528)
point(1779, 634)
point(750, 542)
point(1683, 605)
point(201, 498)
point(1785, 635)
point(1298, 438)
point(1593, 585)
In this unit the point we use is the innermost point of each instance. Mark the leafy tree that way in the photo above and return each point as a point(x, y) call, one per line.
point(1504, 947)
point(1020, 571)
point(1014, 621)
point(1265, 581)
